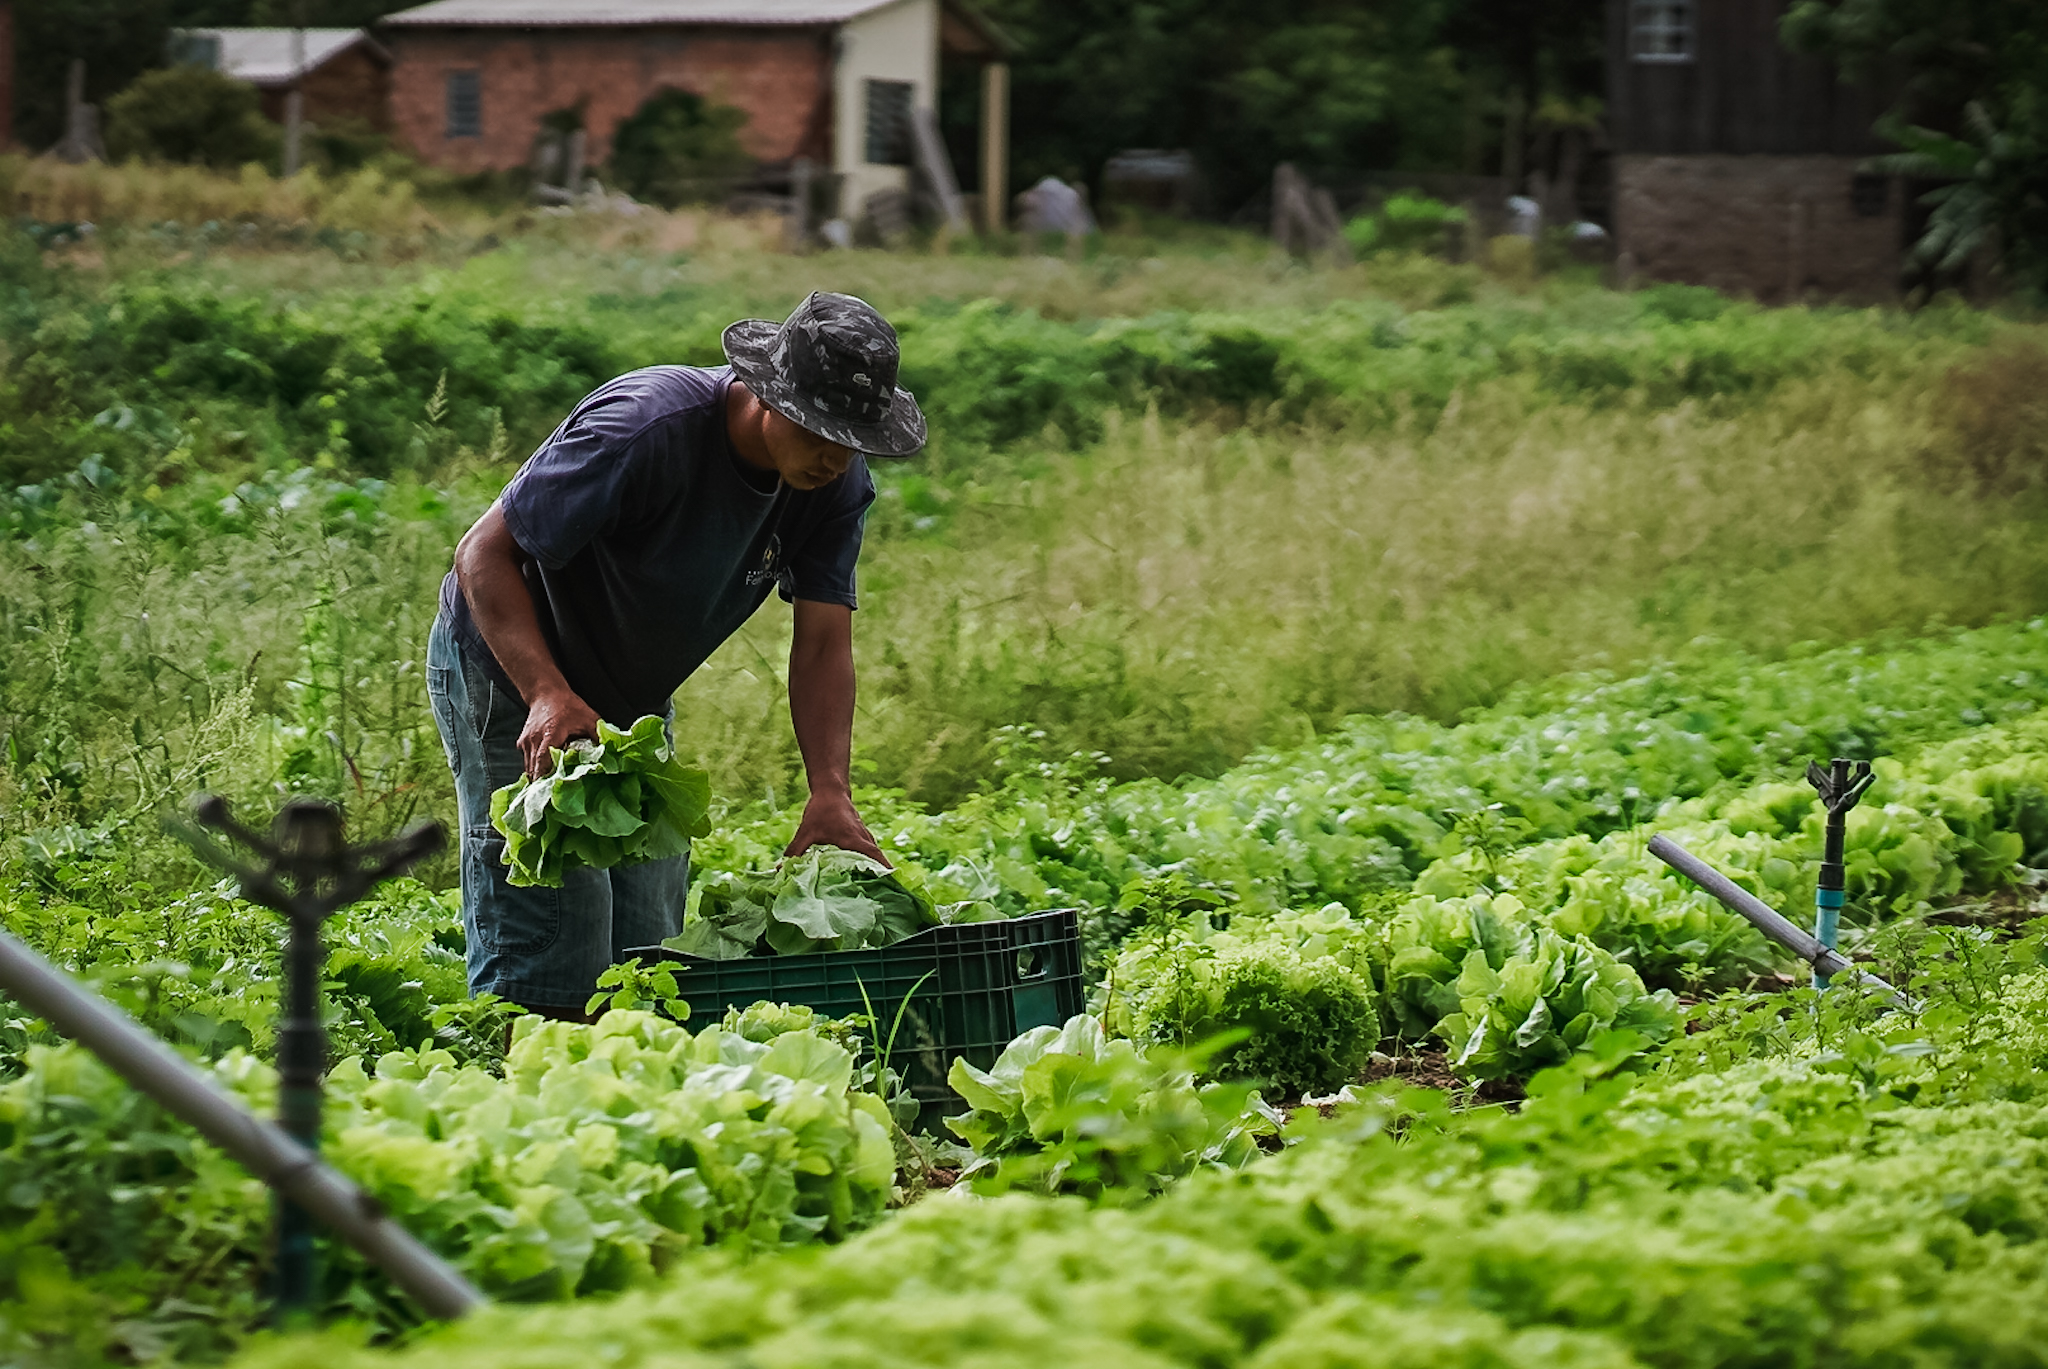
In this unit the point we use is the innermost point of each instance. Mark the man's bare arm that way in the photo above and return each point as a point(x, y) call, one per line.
point(487, 568)
point(821, 710)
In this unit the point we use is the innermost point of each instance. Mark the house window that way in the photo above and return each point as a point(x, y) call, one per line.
point(889, 123)
point(465, 104)
point(1660, 30)
point(1870, 196)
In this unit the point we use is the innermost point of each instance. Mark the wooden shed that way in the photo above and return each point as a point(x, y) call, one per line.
point(1739, 164)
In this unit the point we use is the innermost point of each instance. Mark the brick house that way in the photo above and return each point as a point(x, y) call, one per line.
point(1737, 164)
point(835, 81)
point(342, 73)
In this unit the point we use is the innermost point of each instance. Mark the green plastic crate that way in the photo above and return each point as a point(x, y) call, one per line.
point(972, 989)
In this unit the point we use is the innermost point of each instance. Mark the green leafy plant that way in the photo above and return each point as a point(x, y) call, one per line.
point(826, 899)
point(1534, 1010)
point(1303, 1024)
point(622, 798)
point(1069, 1109)
point(632, 987)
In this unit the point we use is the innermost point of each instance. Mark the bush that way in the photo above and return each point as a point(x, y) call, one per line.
point(1407, 222)
point(190, 114)
point(677, 148)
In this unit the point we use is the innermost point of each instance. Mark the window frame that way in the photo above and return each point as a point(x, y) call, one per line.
point(872, 88)
point(454, 125)
point(1663, 32)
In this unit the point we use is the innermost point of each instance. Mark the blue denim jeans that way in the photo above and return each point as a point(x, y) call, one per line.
point(540, 948)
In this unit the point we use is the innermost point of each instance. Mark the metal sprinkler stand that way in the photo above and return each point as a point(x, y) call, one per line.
point(1840, 787)
point(309, 873)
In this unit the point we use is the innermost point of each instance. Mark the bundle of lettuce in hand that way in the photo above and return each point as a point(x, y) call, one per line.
point(620, 799)
point(826, 899)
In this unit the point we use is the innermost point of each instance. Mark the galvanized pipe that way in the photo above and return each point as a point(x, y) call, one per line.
point(262, 1147)
point(1766, 919)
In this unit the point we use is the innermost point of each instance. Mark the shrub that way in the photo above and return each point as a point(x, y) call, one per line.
point(190, 114)
point(678, 148)
point(1407, 222)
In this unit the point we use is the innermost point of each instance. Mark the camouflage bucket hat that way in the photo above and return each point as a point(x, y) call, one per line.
point(830, 367)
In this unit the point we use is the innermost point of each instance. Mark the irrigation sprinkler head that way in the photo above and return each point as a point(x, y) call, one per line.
point(309, 869)
point(1842, 785)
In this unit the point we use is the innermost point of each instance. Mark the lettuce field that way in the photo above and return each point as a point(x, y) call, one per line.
point(1332, 639)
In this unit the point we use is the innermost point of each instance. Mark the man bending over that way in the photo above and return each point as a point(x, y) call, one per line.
point(635, 540)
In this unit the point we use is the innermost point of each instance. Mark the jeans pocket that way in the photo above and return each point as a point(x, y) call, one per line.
point(509, 920)
point(438, 698)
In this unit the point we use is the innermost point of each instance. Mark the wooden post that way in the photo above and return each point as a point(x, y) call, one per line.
point(995, 146)
point(81, 121)
point(295, 98)
point(937, 168)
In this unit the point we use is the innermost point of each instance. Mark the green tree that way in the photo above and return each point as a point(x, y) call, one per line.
point(1353, 84)
point(190, 114)
point(1973, 112)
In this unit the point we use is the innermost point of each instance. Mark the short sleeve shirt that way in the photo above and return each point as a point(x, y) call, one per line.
point(648, 542)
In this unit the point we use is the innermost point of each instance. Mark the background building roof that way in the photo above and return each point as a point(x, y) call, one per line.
point(263, 57)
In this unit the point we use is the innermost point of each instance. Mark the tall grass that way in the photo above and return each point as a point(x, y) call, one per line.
point(366, 201)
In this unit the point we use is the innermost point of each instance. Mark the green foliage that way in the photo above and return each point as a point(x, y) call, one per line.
point(679, 148)
point(826, 899)
point(191, 114)
point(121, 1234)
point(1069, 1110)
point(1992, 195)
point(202, 970)
point(631, 987)
point(1244, 87)
point(1870, 1202)
point(1304, 1024)
point(1534, 1011)
point(602, 1153)
point(1407, 222)
point(622, 798)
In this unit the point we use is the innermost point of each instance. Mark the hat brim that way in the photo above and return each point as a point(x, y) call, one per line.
point(748, 345)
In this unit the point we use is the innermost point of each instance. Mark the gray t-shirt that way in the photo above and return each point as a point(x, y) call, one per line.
point(650, 541)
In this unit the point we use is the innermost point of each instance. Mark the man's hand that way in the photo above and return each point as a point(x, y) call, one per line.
point(832, 821)
point(554, 719)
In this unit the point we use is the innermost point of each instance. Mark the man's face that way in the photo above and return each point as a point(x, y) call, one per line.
point(805, 460)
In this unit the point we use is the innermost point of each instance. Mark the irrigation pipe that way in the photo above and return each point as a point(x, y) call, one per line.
point(262, 1147)
point(1825, 960)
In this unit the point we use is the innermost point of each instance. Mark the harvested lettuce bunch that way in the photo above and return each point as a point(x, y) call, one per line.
point(826, 899)
point(620, 799)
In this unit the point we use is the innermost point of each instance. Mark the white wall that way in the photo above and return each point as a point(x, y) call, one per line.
point(898, 42)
